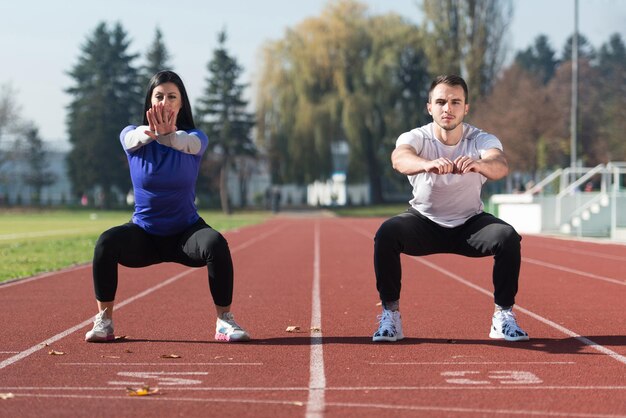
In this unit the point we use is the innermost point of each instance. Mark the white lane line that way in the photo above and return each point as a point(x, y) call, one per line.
point(15, 282)
point(257, 238)
point(233, 401)
point(594, 254)
point(574, 271)
point(317, 380)
point(331, 388)
point(166, 399)
point(584, 340)
point(426, 363)
point(464, 411)
point(37, 347)
point(159, 364)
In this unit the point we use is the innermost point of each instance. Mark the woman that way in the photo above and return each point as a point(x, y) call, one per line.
point(164, 156)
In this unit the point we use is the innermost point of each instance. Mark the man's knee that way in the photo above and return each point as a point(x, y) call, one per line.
point(507, 237)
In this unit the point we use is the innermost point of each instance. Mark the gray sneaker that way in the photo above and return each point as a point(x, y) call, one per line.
point(226, 329)
point(102, 330)
point(504, 327)
point(389, 327)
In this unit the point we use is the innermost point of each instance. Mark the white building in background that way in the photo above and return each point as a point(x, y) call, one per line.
point(335, 191)
point(332, 192)
point(14, 191)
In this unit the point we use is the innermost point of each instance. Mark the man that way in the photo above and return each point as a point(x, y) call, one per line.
point(447, 162)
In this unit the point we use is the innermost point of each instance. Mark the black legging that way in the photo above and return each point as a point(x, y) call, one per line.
point(129, 245)
point(413, 234)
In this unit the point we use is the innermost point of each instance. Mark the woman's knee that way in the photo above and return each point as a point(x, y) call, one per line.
point(208, 244)
point(108, 240)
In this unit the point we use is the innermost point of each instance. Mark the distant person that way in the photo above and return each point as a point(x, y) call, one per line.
point(164, 156)
point(276, 197)
point(447, 162)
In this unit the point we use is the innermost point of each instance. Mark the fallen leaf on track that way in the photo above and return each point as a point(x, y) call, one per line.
point(144, 391)
point(293, 328)
point(5, 396)
point(316, 329)
point(56, 353)
point(170, 356)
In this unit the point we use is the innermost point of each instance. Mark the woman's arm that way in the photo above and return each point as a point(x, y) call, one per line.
point(187, 142)
point(133, 139)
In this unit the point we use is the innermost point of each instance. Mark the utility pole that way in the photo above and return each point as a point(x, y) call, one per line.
point(574, 108)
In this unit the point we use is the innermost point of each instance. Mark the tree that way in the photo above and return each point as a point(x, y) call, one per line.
point(342, 76)
point(34, 153)
point(612, 85)
point(9, 115)
point(157, 58)
point(527, 135)
point(467, 38)
point(539, 59)
point(586, 51)
point(222, 114)
point(106, 96)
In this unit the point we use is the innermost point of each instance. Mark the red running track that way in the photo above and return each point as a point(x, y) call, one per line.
point(316, 273)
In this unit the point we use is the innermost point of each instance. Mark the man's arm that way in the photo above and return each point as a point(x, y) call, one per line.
point(492, 165)
point(405, 160)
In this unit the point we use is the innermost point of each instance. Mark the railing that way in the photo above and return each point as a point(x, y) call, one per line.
point(570, 206)
point(574, 187)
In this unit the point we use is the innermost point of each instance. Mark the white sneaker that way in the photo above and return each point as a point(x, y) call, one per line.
point(102, 330)
point(389, 327)
point(226, 329)
point(504, 326)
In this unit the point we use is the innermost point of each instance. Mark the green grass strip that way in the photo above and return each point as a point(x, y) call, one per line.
point(35, 242)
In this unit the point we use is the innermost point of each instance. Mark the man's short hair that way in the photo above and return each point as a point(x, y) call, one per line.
point(450, 80)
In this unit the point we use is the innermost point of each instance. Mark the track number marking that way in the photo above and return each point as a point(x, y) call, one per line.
point(503, 377)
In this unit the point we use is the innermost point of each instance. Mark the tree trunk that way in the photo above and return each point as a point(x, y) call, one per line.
point(224, 188)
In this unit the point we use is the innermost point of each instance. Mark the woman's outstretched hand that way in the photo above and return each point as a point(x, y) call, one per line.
point(161, 120)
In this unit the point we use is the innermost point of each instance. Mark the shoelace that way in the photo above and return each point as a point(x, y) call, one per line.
point(509, 322)
point(99, 321)
point(231, 321)
point(386, 321)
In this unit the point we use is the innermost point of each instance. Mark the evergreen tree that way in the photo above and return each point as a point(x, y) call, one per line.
point(539, 59)
point(222, 114)
point(9, 119)
point(34, 153)
point(157, 58)
point(586, 51)
point(106, 96)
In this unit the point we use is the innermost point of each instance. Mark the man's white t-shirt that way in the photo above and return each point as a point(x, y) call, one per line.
point(448, 199)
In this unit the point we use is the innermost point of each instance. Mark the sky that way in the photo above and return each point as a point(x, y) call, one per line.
point(40, 40)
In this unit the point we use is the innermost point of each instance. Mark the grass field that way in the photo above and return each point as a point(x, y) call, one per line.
point(33, 242)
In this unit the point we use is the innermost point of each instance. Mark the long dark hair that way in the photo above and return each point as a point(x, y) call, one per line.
point(184, 120)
